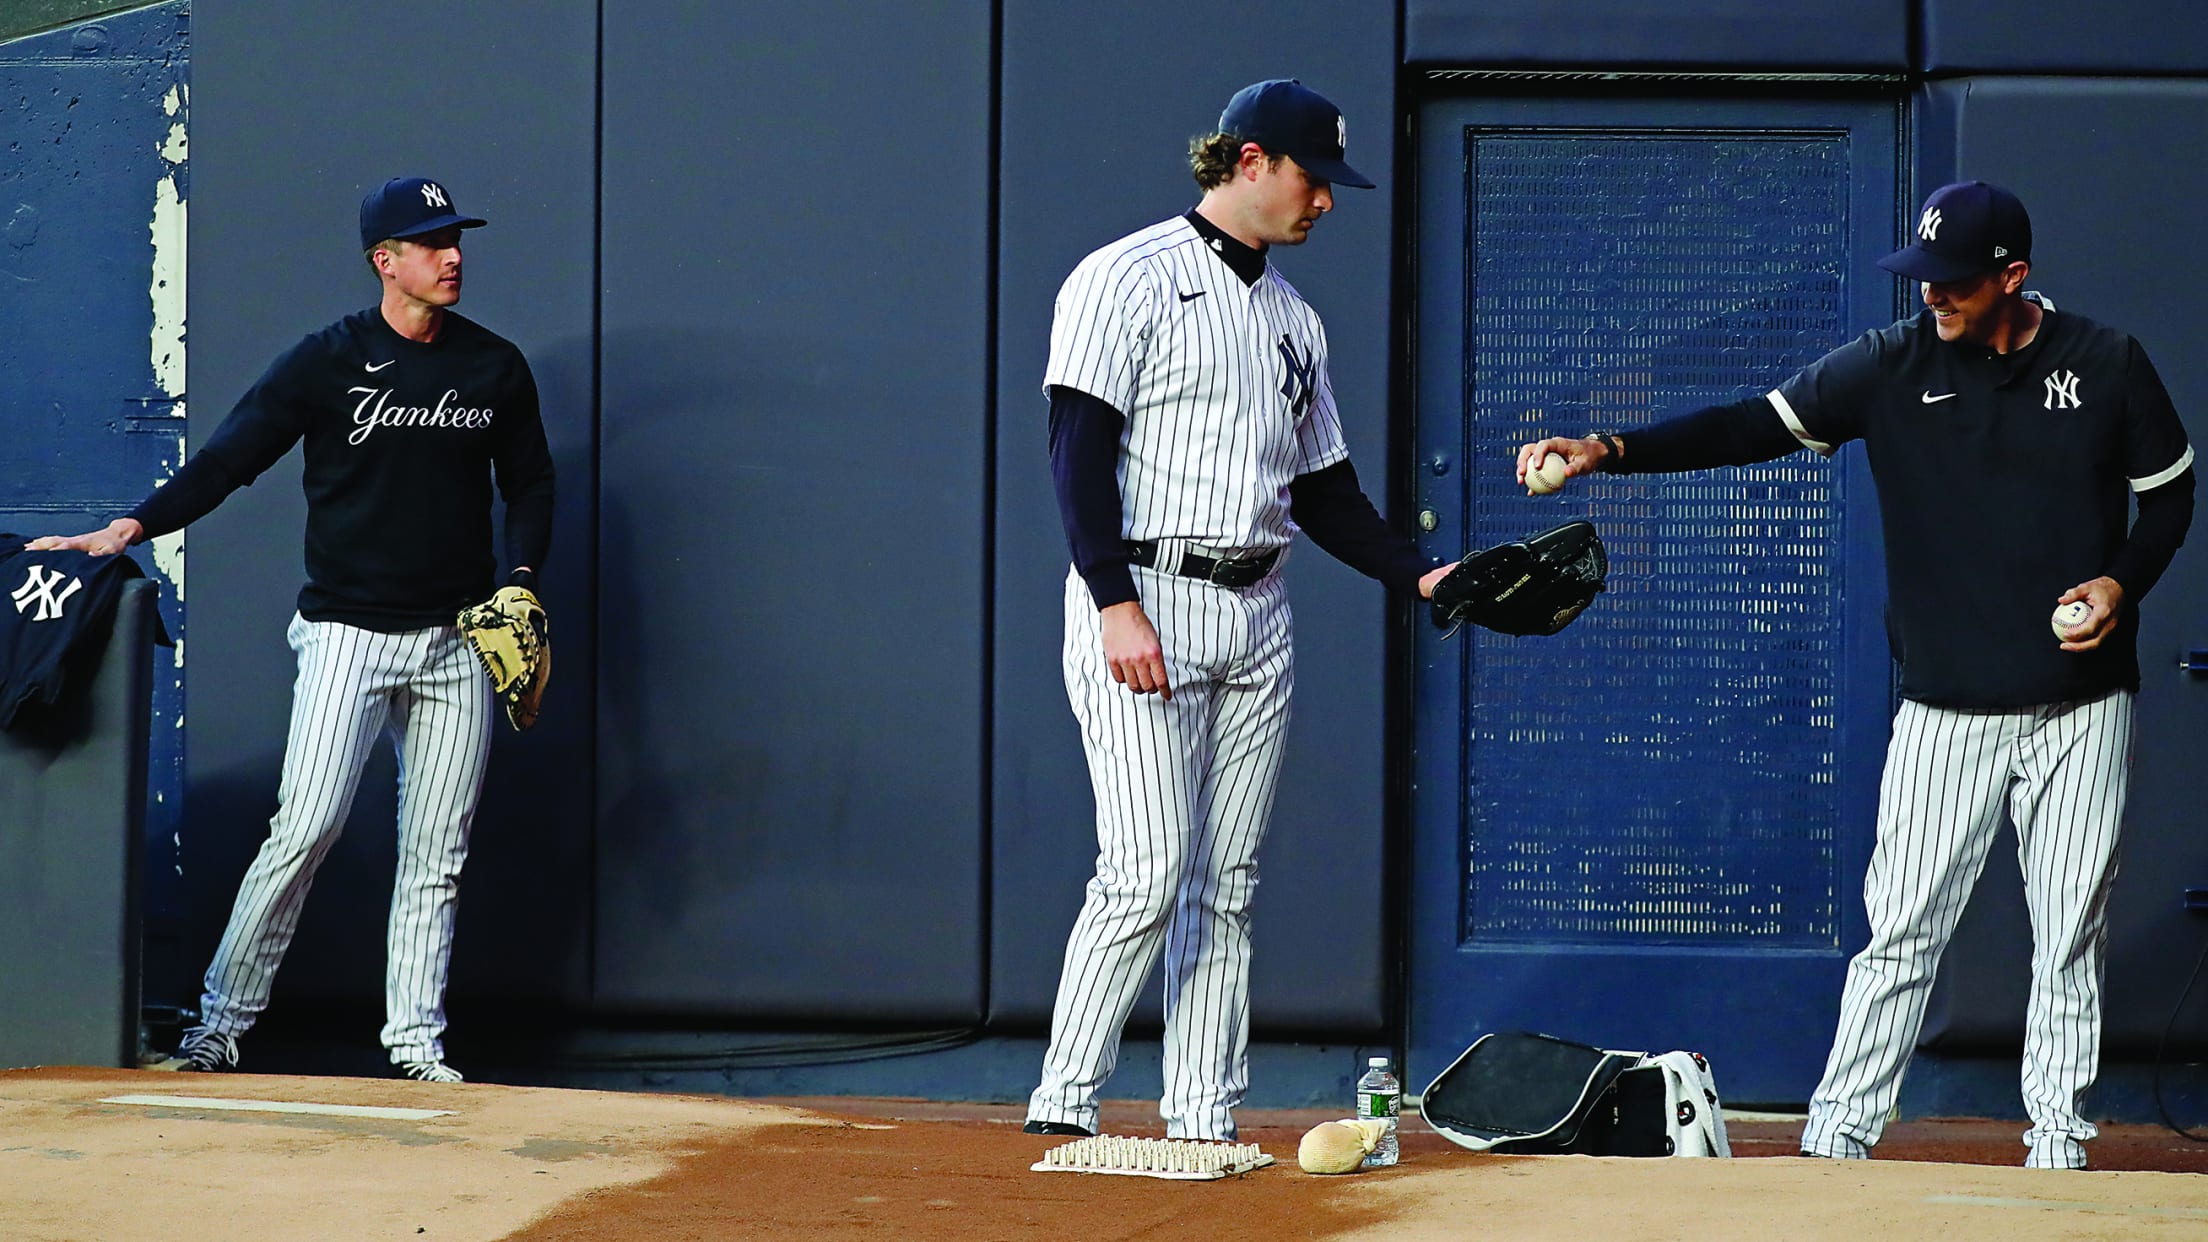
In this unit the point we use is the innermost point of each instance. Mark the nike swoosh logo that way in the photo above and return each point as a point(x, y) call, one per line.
point(1190, 297)
point(379, 366)
point(1929, 399)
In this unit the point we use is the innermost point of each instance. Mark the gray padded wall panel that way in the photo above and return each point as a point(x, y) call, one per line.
point(297, 109)
point(2111, 37)
point(1863, 36)
point(795, 510)
point(2091, 161)
point(72, 808)
point(1089, 156)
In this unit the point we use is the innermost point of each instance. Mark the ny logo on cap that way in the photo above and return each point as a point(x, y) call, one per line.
point(38, 589)
point(2062, 391)
point(1341, 131)
point(434, 195)
point(1928, 227)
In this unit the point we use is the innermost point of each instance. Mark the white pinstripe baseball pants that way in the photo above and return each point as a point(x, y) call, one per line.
point(425, 688)
point(2063, 771)
point(1183, 792)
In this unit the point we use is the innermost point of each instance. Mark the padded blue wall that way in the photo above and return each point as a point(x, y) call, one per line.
point(1752, 36)
point(1087, 157)
point(794, 546)
point(814, 394)
point(2092, 160)
point(2109, 37)
point(303, 107)
point(91, 390)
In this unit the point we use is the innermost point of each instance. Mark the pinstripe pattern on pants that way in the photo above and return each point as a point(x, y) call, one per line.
point(1183, 792)
point(424, 688)
point(2063, 771)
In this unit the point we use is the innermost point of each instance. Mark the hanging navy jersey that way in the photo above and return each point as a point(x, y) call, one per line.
point(54, 607)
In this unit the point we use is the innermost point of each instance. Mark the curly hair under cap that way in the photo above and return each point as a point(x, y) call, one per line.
point(1213, 158)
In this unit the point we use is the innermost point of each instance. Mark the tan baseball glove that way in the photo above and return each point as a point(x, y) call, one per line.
point(513, 639)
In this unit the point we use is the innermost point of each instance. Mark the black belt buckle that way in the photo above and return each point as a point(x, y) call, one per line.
point(1218, 571)
point(1233, 575)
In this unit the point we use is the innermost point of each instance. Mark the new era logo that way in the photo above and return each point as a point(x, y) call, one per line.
point(38, 590)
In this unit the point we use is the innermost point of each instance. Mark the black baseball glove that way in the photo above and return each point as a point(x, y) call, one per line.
point(1533, 586)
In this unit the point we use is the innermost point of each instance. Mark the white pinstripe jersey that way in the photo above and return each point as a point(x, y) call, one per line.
point(1224, 386)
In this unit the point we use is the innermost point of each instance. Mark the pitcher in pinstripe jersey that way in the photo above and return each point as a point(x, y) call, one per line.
point(2008, 441)
point(1192, 432)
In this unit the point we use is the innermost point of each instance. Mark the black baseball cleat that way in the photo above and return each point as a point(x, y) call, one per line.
point(1065, 1129)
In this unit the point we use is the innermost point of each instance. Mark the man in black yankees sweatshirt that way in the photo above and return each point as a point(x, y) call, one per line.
point(408, 413)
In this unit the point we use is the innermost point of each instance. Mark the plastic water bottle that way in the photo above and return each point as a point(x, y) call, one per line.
point(1380, 1096)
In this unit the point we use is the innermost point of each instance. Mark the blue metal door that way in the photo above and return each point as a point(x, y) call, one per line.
point(1648, 831)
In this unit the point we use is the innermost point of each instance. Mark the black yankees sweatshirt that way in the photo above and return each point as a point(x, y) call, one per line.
point(402, 443)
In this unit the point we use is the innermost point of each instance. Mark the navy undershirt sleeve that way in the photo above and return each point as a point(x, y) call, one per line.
point(1331, 508)
point(1084, 466)
point(1739, 434)
point(2165, 514)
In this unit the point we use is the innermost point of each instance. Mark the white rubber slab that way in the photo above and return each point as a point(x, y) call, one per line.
point(218, 1104)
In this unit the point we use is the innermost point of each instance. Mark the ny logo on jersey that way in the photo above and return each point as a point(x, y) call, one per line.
point(38, 589)
point(434, 195)
point(1928, 225)
point(1296, 386)
point(2062, 391)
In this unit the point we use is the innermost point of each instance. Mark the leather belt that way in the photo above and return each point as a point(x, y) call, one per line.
point(1219, 571)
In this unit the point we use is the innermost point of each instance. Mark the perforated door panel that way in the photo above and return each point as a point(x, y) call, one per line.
point(1622, 278)
point(1650, 830)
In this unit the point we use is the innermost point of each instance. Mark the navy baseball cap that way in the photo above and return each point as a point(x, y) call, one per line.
point(1285, 117)
point(1966, 229)
point(408, 207)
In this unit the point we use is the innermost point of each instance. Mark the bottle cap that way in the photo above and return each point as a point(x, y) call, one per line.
point(1377, 1062)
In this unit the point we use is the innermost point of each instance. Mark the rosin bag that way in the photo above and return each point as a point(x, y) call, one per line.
point(1520, 1093)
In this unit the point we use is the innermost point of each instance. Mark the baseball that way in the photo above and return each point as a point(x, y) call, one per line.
point(2069, 617)
point(1548, 477)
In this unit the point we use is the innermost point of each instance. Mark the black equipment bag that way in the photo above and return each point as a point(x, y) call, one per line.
point(1515, 1092)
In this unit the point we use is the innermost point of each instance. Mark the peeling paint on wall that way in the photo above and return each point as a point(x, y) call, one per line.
point(95, 182)
point(169, 249)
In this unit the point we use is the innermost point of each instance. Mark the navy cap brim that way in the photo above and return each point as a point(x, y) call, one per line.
point(1336, 172)
point(1917, 263)
point(435, 223)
